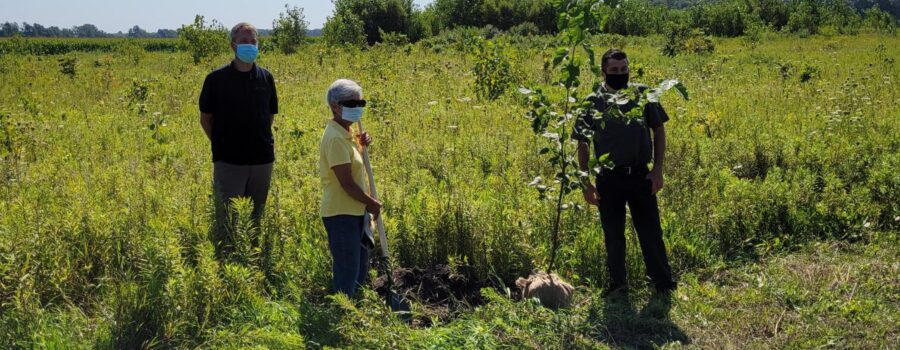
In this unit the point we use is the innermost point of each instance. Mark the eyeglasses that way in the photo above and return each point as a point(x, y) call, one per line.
point(353, 103)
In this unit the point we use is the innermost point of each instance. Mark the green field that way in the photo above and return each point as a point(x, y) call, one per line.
point(781, 206)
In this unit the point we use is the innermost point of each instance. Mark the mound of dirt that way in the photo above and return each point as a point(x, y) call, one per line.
point(440, 290)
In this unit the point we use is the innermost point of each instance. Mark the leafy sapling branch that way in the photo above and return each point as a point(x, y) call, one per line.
point(554, 120)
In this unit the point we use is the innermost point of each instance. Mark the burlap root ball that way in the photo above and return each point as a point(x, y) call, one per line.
point(550, 290)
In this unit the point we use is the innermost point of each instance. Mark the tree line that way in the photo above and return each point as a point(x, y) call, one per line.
point(372, 21)
point(366, 22)
point(34, 30)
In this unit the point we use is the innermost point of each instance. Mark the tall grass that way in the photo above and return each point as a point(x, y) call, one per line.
point(106, 209)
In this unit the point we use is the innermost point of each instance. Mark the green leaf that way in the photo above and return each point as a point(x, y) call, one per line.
point(590, 52)
point(682, 90)
point(561, 54)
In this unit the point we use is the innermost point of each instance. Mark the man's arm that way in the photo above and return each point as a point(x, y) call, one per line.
point(589, 191)
point(206, 120)
point(659, 158)
point(583, 156)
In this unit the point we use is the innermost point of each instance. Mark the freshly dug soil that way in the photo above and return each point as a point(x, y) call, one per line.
point(442, 292)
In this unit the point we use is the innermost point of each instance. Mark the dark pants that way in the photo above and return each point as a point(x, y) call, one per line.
point(350, 266)
point(616, 190)
point(232, 181)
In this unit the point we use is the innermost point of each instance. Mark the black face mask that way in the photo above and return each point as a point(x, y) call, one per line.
point(617, 81)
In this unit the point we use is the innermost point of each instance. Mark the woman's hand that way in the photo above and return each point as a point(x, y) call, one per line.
point(590, 195)
point(364, 138)
point(374, 208)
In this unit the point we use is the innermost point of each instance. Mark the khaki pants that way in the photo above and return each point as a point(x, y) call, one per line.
point(232, 181)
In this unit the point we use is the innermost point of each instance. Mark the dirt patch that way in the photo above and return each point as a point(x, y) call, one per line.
point(442, 292)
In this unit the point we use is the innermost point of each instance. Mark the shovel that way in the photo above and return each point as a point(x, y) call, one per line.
point(397, 303)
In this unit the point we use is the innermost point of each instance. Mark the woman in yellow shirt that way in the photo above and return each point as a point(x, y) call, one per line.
point(344, 200)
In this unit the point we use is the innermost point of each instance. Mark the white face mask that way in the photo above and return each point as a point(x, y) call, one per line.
point(352, 115)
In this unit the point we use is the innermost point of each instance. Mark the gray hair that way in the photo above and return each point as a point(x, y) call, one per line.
point(342, 90)
point(241, 27)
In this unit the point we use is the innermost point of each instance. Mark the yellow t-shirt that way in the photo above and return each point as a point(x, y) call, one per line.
point(338, 147)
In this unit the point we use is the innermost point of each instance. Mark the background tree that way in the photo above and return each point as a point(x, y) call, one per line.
point(879, 21)
point(344, 29)
point(137, 32)
point(377, 16)
point(88, 31)
point(9, 29)
point(166, 33)
point(289, 30)
point(203, 40)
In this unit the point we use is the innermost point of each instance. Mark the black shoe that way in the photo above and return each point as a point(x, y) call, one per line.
point(667, 288)
point(615, 291)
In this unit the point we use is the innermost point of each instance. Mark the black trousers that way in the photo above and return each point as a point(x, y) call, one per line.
point(616, 190)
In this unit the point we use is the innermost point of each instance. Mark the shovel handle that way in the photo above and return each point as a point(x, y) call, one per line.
point(379, 223)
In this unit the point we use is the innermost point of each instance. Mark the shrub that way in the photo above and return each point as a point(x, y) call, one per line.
point(804, 20)
point(203, 41)
point(879, 21)
point(720, 19)
point(289, 30)
point(392, 38)
point(67, 66)
point(634, 17)
point(493, 69)
point(681, 39)
point(524, 29)
point(380, 16)
point(344, 29)
point(131, 51)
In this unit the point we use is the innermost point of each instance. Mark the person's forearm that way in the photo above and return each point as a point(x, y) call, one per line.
point(584, 156)
point(206, 123)
point(358, 194)
point(659, 149)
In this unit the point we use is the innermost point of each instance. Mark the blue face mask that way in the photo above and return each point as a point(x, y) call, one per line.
point(247, 53)
point(352, 115)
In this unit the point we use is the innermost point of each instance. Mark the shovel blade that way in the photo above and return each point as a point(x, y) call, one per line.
point(400, 306)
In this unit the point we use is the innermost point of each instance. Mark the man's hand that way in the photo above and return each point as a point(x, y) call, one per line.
point(374, 208)
point(364, 138)
point(656, 180)
point(206, 120)
point(590, 195)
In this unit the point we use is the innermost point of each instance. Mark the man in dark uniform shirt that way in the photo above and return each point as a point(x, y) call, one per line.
point(627, 143)
point(237, 107)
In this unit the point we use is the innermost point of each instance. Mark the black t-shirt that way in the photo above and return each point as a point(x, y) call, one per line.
point(242, 105)
point(627, 141)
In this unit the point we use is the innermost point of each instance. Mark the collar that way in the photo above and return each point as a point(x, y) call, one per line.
point(253, 70)
point(339, 129)
point(604, 90)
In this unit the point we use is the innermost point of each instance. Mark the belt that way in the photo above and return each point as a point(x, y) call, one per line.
point(625, 170)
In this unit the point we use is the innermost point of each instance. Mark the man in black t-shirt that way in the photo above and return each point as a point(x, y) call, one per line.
point(626, 179)
point(237, 107)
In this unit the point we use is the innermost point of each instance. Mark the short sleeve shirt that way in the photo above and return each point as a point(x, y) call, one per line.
point(336, 148)
point(242, 105)
point(627, 142)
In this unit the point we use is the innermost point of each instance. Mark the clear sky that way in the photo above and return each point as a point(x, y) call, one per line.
point(119, 15)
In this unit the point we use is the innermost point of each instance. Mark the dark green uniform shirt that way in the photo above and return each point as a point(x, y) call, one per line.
point(627, 141)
